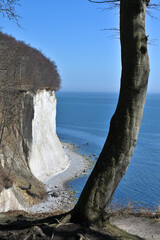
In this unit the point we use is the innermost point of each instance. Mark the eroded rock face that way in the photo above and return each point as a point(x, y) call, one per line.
point(47, 157)
point(30, 150)
point(18, 186)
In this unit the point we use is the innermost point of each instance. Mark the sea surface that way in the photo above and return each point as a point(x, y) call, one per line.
point(84, 118)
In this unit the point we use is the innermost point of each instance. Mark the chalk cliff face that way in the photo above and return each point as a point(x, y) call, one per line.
point(30, 151)
point(46, 157)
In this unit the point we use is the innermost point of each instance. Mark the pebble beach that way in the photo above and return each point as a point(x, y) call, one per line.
point(59, 196)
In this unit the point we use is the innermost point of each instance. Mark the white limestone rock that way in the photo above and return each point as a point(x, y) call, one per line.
point(8, 201)
point(47, 157)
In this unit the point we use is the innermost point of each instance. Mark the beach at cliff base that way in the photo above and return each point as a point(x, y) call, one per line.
point(60, 197)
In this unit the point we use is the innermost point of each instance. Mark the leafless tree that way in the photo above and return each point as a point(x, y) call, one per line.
point(8, 9)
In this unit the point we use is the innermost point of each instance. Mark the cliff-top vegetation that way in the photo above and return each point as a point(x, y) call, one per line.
point(25, 68)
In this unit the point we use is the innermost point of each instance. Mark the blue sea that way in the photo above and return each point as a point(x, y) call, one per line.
point(84, 118)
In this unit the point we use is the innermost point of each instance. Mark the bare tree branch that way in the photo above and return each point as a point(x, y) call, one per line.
point(109, 1)
point(153, 5)
point(7, 9)
point(116, 34)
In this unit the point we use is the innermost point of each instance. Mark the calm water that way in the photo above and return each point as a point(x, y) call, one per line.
point(84, 118)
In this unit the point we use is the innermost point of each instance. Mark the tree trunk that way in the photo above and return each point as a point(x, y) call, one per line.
point(125, 123)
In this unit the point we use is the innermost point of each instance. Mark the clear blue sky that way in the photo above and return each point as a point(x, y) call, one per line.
point(70, 33)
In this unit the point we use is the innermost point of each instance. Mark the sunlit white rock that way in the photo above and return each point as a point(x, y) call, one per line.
point(8, 201)
point(47, 157)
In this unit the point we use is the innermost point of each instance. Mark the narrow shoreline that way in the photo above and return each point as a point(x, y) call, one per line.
point(60, 198)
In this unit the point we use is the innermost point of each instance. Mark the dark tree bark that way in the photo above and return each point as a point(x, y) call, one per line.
point(125, 123)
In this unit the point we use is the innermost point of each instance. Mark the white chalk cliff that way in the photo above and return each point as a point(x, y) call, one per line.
point(8, 201)
point(47, 157)
point(32, 152)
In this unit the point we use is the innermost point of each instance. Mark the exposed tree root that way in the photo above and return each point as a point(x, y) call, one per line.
point(58, 227)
